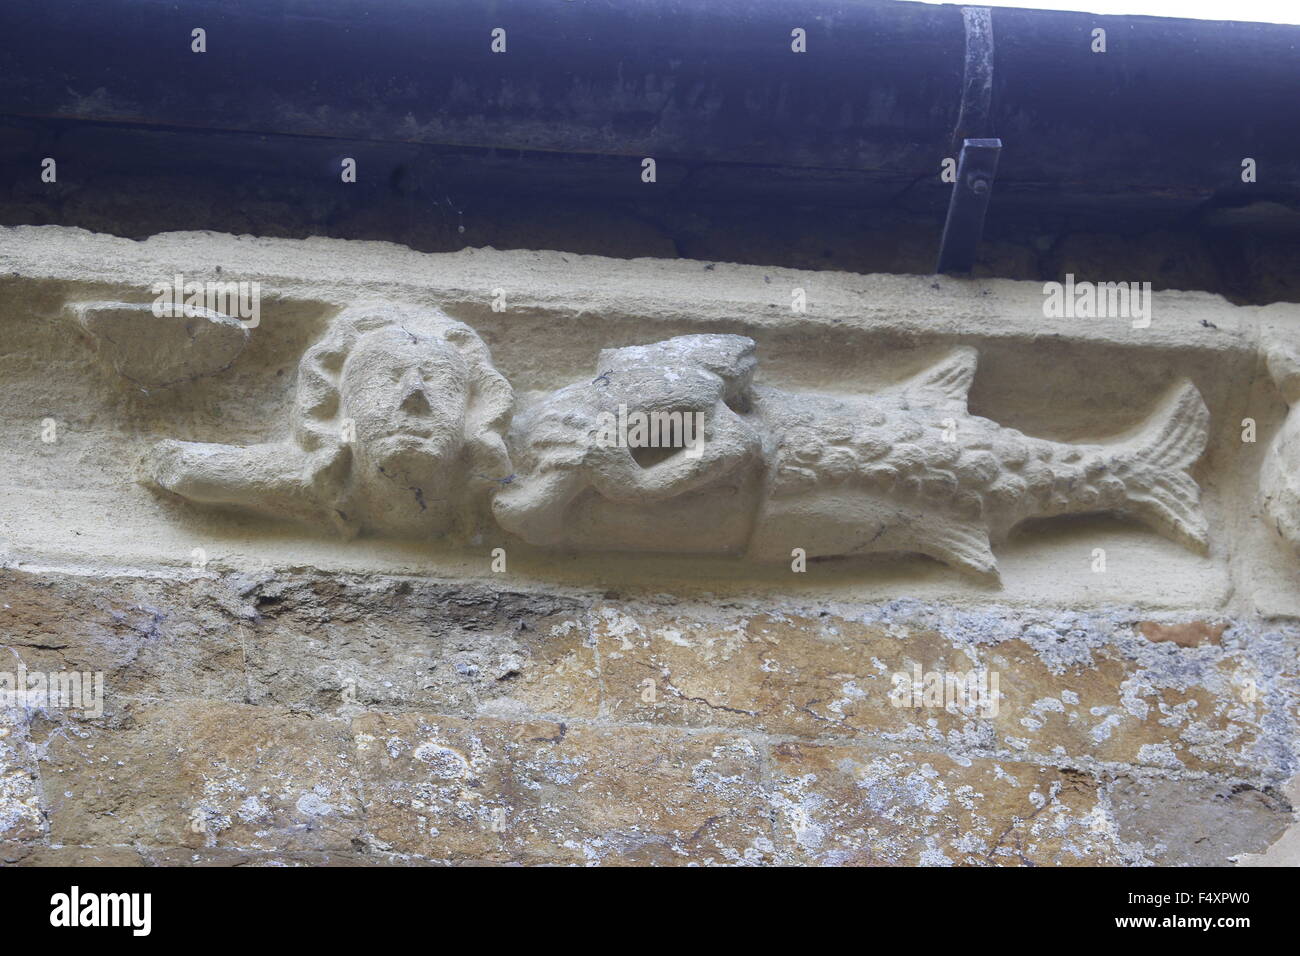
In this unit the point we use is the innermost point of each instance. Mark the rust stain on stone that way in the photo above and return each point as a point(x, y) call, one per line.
point(1186, 634)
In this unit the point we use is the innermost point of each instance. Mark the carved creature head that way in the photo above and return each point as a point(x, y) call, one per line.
point(564, 446)
point(729, 357)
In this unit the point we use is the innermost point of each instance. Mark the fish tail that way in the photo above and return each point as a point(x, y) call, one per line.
point(1160, 490)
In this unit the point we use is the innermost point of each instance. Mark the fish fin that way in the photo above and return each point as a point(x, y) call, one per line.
point(1171, 506)
point(1162, 492)
point(950, 378)
point(962, 545)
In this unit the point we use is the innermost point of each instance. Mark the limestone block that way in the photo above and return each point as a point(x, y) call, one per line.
point(1127, 701)
point(154, 351)
point(150, 638)
point(112, 856)
point(1097, 689)
point(546, 792)
point(786, 673)
point(1231, 819)
point(20, 805)
point(231, 857)
point(844, 805)
point(340, 647)
point(201, 774)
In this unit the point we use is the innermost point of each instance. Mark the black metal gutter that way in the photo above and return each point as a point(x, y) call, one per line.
point(1152, 131)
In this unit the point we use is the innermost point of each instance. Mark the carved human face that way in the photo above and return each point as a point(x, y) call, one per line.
point(407, 394)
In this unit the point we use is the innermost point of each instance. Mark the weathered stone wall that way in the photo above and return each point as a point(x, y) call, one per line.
point(357, 719)
point(277, 694)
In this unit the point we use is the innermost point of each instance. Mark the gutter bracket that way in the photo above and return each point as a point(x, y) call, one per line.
point(964, 226)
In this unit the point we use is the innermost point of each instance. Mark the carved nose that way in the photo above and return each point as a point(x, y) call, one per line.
point(415, 399)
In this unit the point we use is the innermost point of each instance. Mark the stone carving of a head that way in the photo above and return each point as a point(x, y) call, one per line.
point(398, 425)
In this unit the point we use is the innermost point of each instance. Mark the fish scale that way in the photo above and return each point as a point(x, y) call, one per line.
point(941, 472)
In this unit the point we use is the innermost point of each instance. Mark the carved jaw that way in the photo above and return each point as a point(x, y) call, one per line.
point(407, 487)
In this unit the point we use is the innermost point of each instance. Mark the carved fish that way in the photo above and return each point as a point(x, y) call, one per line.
point(910, 469)
point(906, 469)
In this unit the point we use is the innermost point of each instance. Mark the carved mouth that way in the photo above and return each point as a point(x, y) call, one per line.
point(407, 446)
point(408, 431)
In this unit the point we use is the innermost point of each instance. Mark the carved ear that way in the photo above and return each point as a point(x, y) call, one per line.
point(948, 381)
point(730, 357)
